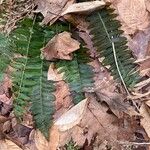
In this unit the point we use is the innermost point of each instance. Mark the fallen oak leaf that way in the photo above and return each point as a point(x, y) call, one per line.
point(60, 47)
point(84, 7)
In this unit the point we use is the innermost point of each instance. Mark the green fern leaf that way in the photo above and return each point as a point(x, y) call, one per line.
point(108, 39)
point(77, 73)
point(30, 76)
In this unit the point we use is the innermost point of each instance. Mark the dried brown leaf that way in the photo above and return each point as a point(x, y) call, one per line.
point(63, 98)
point(84, 7)
point(60, 47)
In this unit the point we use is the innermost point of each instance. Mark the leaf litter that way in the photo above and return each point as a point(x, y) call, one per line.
point(111, 122)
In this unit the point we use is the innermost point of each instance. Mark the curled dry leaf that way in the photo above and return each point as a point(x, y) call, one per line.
point(129, 13)
point(8, 145)
point(60, 47)
point(84, 7)
point(51, 9)
point(145, 121)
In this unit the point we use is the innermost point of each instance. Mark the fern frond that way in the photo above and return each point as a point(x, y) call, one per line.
point(108, 39)
point(77, 73)
point(30, 82)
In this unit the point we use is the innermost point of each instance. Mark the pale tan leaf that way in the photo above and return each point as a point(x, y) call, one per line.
point(60, 47)
point(72, 117)
point(84, 7)
point(129, 13)
point(8, 145)
point(145, 121)
point(40, 141)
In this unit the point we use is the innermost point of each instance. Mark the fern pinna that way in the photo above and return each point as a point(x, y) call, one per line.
point(108, 39)
point(77, 73)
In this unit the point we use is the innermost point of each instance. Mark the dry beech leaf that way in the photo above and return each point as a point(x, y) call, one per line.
point(134, 14)
point(60, 47)
point(40, 141)
point(8, 145)
point(51, 9)
point(84, 7)
point(145, 121)
point(72, 117)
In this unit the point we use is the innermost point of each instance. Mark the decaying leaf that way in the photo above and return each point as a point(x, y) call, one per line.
point(51, 9)
point(84, 7)
point(60, 47)
point(145, 121)
point(134, 14)
point(8, 145)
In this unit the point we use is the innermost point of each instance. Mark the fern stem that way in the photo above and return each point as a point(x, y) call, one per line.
point(27, 52)
point(114, 54)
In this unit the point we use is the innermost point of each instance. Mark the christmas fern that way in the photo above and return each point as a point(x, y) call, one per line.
point(108, 39)
point(77, 73)
point(30, 82)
